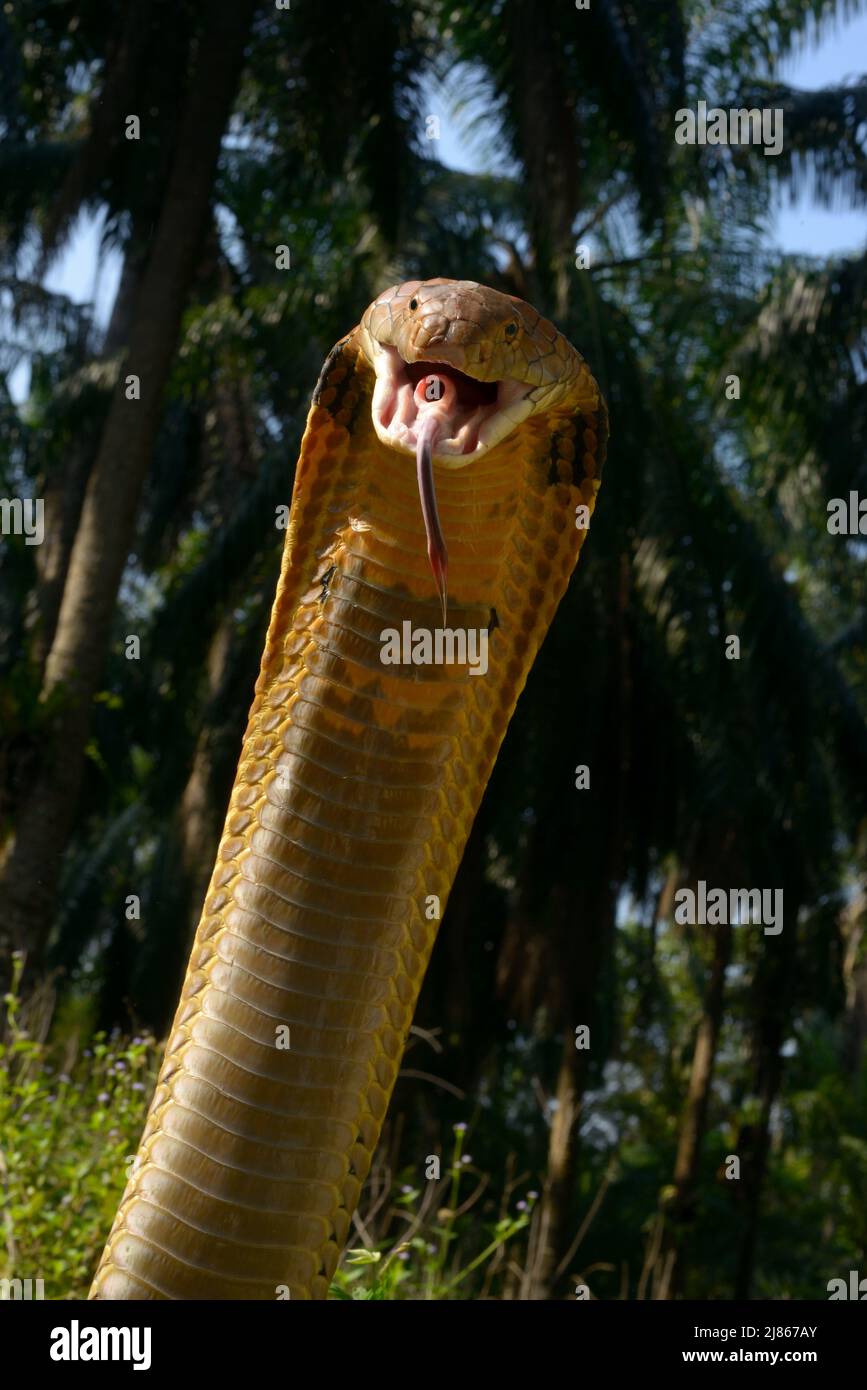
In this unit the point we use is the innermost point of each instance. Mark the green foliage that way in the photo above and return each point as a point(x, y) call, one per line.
point(70, 1119)
point(437, 1258)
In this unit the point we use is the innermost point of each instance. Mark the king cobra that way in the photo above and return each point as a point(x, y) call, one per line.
point(358, 780)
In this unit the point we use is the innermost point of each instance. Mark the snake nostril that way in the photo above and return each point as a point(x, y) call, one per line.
point(430, 332)
point(413, 304)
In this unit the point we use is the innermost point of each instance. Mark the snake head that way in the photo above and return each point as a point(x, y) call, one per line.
point(458, 368)
point(481, 361)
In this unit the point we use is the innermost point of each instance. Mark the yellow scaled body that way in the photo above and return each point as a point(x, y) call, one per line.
point(355, 793)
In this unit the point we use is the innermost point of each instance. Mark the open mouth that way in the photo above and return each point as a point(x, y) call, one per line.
point(472, 415)
point(435, 411)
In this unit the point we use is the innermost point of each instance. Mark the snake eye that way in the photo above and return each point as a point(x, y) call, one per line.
point(413, 303)
point(511, 330)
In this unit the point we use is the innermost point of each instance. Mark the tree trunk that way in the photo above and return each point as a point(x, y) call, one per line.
point(680, 1214)
point(774, 1007)
point(201, 813)
point(855, 985)
point(754, 1147)
point(31, 867)
point(583, 924)
point(545, 107)
point(63, 494)
point(556, 1207)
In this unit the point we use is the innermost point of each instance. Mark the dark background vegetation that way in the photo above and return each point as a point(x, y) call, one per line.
point(306, 128)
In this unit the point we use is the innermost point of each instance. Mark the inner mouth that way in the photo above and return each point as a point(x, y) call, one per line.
point(472, 415)
point(433, 410)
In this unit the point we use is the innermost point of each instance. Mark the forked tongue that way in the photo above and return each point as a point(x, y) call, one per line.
point(434, 397)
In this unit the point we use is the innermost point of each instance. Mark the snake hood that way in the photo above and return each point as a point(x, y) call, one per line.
point(498, 359)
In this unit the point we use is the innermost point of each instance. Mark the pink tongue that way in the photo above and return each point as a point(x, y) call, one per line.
point(434, 396)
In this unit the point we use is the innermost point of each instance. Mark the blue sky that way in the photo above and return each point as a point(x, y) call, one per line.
point(802, 227)
point(842, 55)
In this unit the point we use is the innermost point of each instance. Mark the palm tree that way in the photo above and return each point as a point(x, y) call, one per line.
point(32, 856)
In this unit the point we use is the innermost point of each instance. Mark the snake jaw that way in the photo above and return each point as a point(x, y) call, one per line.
point(478, 416)
point(434, 410)
point(458, 368)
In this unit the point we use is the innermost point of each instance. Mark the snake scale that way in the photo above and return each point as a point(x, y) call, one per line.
point(358, 780)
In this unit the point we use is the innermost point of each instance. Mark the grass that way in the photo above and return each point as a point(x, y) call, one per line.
point(72, 1113)
point(70, 1121)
